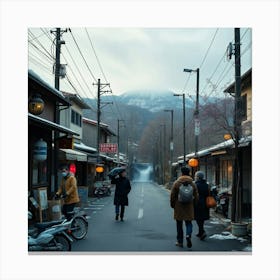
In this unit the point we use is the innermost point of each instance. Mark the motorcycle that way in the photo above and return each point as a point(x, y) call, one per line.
point(53, 238)
point(223, 203)
point(102, 189)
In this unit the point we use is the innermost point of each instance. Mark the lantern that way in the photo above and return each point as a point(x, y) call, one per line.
point(99, 169)
point(36, 105)
point(72, 168)
point(40, 150)
point(193, 162)
point(227, 136)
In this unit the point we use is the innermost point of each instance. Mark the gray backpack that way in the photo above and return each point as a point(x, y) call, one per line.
point(185, 193)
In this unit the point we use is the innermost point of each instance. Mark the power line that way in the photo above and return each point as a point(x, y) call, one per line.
point(211, 43)
point(101, 69)
point(203, 60)
point(40, 44)
point(82, 55)
point(40, 51)
point(44, 63)
point(82, 77)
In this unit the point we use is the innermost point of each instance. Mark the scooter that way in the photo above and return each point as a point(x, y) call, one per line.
point(223, 203)
point(76, 224)
point(53, 238)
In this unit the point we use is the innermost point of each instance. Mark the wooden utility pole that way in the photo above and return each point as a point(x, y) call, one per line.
point(58, 44)
point(99, 91)
point(236, 189)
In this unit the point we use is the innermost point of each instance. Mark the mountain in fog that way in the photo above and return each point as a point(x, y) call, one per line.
point(154, 100)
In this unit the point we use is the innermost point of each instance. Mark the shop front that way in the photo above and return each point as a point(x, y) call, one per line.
point(40, 163)
point(43, 103)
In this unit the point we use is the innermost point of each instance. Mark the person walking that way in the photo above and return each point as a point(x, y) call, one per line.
point(183, 211)
point(69, 191)
point(201, 212)
point(122, 190)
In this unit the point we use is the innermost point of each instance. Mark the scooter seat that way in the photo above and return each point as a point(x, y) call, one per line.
point(47, 224)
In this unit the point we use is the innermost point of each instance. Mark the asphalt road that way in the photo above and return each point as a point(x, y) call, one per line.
point(148, 226)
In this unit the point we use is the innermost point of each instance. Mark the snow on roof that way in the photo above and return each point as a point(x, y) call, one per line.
point(223, 145)
point(83, 147)
point(36, 77)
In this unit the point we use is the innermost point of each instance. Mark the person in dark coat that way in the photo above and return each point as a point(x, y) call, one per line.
point(183, 211)
point(122, 190)
point(201, 212)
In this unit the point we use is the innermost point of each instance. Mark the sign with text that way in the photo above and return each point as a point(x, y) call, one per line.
point(108, 148)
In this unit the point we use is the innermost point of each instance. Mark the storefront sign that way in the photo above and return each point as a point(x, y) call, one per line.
point(108, 148)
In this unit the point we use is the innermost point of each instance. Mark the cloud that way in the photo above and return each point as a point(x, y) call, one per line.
point(149, 58)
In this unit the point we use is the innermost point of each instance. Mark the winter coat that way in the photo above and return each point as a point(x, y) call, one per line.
point(201, 212)
point(182, 211)
point(69, 187)
point(122, 190)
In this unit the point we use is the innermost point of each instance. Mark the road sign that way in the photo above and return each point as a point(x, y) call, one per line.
point(108, 148)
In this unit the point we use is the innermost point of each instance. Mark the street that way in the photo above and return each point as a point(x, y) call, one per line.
point(149, 226)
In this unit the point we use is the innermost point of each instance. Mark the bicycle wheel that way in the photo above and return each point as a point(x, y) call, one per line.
point(66, 244)
point(79, 228)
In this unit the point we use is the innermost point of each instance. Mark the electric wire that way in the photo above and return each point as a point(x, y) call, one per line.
point(69, 66)
point(40, 44)
point(43, 67)
point(97, 59)
point(211, 43)
point(82, 56)
point(115, 104)
point(40, 51)
point(43, 63)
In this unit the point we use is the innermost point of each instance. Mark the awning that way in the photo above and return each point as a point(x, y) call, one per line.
point(50, 125)
point(85, 148)
point(69, 154)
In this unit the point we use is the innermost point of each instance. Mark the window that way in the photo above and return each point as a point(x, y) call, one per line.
point(76, 118)
point(226, 173)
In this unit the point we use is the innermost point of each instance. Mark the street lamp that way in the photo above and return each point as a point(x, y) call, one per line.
point(184, 125)
point(171, 142)
point(196, 112)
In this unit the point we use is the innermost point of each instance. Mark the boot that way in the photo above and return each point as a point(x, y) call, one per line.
point(117, 217)
point(189, 242)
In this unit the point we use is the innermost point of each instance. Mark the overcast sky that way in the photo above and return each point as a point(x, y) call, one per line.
point(141, 58)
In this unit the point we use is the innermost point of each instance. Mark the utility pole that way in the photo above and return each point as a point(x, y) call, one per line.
point(98, 120)
point(236, 190)
point(99, 92)
point(59, 42)
point(184, 125)
point(196, 116)
point(171, 147)
point(196, 112)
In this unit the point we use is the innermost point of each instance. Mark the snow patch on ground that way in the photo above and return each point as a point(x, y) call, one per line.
point(215, 221)
point(248, 248)
point(227, 235)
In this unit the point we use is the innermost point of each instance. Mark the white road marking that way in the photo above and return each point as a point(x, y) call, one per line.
point(140, 213)
point(141, 210)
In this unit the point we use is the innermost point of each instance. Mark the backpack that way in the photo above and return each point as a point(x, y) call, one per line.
point(185, 194)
